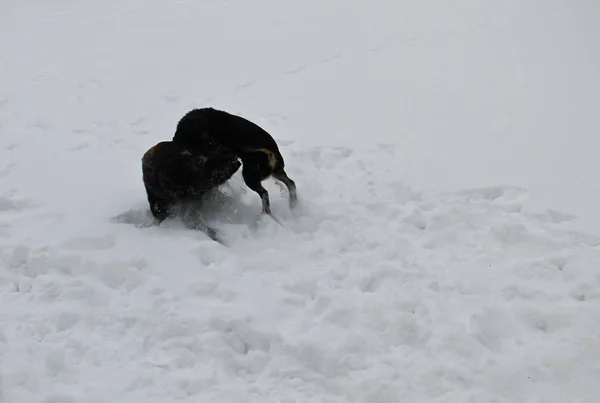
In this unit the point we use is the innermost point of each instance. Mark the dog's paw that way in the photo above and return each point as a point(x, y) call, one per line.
point(293, 202)
point(212, 234)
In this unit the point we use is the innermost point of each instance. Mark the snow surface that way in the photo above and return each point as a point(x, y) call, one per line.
point(447, 244)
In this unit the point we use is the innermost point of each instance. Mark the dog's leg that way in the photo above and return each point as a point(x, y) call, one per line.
point(290, 184)
point(199, 225)
point(253, 173)
point(193, 220)
point(264, 196)
point(158, 208)
point(158, 212)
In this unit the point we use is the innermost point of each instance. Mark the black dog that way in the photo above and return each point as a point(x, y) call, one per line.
point(176, 180)
point(222, 135)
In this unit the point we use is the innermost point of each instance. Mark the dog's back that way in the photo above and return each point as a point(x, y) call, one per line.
point(220, 131)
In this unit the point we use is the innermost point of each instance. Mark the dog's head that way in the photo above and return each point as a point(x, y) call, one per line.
point(212, 172)
point(222, 170)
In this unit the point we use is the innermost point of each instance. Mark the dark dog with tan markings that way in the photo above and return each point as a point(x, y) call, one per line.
point(222, 135)
point(176, 180)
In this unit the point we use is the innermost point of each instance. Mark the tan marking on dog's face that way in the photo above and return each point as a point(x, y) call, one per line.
point(153, 149)
point(271, 156)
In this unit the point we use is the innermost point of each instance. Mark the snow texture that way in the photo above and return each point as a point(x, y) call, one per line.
point(447, 244)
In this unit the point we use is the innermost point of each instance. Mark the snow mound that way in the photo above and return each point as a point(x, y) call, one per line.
point(372, 291)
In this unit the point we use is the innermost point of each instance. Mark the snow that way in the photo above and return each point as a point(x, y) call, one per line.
point(447, 244)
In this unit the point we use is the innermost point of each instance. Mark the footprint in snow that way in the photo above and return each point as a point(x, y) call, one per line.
point(90, 243)
point(138, 121)
point(9, 203)
point(296, 70)
point(171, 98)
point(557, 217)
point(329, 157)
point(494, 193)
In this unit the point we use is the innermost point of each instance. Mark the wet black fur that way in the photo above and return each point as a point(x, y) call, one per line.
point(222, 135)
point(176, 180)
